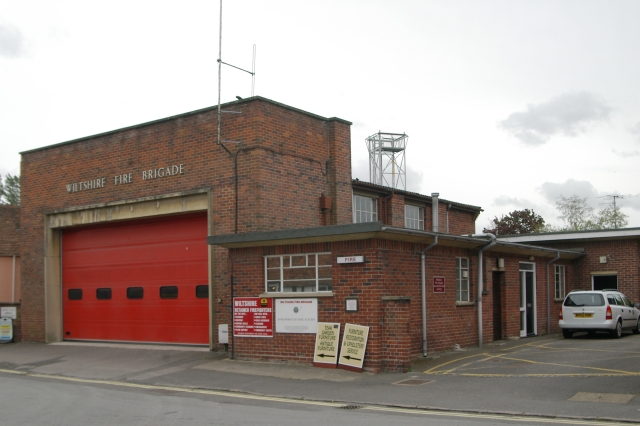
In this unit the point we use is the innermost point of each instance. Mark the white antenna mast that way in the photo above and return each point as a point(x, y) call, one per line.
point(252, 72)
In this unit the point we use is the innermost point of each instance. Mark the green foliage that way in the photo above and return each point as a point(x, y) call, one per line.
point(578, 216)
point(517, 222)
point(10, 190)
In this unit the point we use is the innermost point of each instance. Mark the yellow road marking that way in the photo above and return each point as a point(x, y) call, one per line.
point(414, 411)
point(437, 370)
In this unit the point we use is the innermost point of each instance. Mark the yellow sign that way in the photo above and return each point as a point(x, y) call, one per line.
point(327, 338)
point(354, 345)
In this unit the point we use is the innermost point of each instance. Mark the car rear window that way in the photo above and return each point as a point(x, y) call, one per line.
point(584, 299)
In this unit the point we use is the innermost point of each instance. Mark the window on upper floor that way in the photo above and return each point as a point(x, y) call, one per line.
point(365, 209)
point(559, 294)
point(413, 217)
point(298, 273)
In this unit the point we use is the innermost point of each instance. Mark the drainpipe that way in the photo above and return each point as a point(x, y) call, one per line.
point(424, 297)
point(549, 294)
point(480, 280)
point(13, 281)
point(434, 211)
point(448, 208)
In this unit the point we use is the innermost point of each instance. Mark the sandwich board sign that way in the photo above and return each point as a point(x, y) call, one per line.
point(354, 345)
point(6, 330)
point(325, 353)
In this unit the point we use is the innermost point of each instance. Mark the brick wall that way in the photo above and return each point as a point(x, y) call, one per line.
point(624, 258)
point(10, 226)
point(286, 160)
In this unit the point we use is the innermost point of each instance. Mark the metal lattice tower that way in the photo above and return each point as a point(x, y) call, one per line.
point(387, 159)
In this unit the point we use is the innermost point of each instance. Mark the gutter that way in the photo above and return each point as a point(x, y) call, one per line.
point(424, 296)
point(480, 280)
point(549, 294)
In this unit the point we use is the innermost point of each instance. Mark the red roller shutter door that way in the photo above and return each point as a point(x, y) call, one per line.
point(100, 264)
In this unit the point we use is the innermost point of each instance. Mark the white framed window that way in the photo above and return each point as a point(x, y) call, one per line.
point(365, 209)
point(413, 217)
point(559, 282)
point(298, 273)
point(462, 279)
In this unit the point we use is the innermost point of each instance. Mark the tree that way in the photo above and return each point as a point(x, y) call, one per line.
point(517, 222)
point(578, 216)
point(575, 212)
point(611, 217)
point(10, 190)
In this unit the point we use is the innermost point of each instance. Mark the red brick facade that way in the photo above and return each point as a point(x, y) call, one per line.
point(272, 179)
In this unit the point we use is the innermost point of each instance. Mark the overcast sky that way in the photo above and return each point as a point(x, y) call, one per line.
point(507, 104)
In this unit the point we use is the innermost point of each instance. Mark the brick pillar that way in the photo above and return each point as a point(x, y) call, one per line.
point(339, 176)
point(396, 346)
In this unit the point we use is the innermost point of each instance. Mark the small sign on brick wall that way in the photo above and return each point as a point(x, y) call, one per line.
point(438, 284)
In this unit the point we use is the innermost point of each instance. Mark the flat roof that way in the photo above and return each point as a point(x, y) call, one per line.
point(597, 235)
point(361, 231)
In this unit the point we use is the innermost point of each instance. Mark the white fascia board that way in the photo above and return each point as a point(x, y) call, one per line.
point(588, 235)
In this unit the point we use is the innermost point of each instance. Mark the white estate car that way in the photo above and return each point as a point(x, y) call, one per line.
point(598, 310)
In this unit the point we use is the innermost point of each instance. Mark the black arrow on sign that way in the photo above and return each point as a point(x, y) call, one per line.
point(323, 355)
point(350, 357)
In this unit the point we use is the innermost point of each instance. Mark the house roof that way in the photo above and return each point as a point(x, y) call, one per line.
point(361, 231)
point(358, 184)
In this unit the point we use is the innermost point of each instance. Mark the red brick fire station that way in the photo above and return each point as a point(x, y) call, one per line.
point(148, 234)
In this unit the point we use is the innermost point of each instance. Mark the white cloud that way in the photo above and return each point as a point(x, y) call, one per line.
point(569, 114)
point(625, 154)
point(583, 189)
point(11, 41)
point(518, 203)
point(635, 130)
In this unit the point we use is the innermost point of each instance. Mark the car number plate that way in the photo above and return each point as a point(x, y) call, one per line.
point(583, 315)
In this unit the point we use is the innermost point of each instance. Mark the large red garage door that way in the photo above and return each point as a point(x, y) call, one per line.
point(143, 281)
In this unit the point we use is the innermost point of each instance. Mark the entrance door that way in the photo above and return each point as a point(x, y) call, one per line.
point(528, 325)
point(610, 282)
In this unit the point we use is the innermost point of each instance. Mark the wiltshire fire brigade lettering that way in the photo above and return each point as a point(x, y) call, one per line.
point(125, 178)
point(86, 185)
point(163, 172)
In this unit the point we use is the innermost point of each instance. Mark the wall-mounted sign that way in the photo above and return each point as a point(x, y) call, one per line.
point(326, 350)
point(9, 312)
point(438, 284)
point(354, 345)
point(351, 259)
point(351, 305)
point(251, 319)
point(296, 315)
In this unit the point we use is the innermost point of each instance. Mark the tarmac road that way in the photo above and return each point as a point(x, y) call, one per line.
point(558, 379)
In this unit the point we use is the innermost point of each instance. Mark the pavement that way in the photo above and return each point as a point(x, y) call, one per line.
point(522, 377)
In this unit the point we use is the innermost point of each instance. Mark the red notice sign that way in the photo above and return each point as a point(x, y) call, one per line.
point(252, 317)
point(438, 284)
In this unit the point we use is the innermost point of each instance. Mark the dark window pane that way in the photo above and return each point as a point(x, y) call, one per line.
point(75, 294)
point(202, 291)
point(169, 292)
point(135, 293)
point(103, 293)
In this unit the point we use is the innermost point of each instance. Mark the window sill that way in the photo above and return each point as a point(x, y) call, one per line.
point(465, 303)
point(301, 295)
point(558, 300)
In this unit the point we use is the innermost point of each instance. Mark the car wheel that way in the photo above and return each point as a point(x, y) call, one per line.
point(637, 329)
point(567, 334)
point(617, 332)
